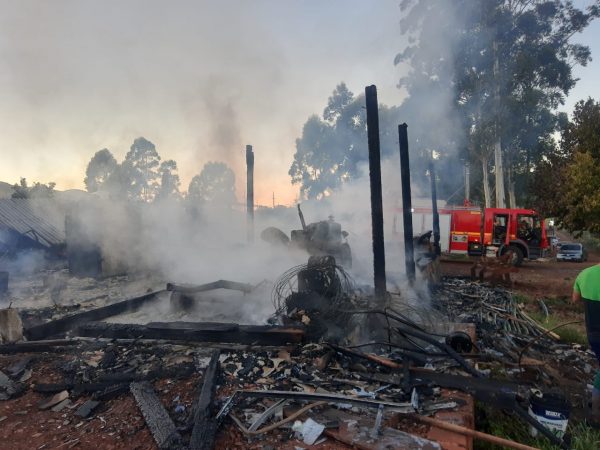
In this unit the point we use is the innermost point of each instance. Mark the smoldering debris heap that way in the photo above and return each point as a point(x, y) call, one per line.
point(316, 374)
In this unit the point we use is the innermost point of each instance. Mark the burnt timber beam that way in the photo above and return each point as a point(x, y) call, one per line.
point(68, 323)
point(220, 284)
point(38, 346)
point(376, 193)
point(434, 210)
point(409, 252)
point(205, 423)
point(160, 424)
point(196, 331)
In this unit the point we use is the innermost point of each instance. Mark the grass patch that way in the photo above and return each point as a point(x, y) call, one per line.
point(572, 334)
point(491, 421)
point(591, 242)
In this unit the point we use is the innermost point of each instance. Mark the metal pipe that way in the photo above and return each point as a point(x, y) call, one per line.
point(436, 216)
point(376, 193)
point(249, 193)
point(409, 251)
point(467, 182)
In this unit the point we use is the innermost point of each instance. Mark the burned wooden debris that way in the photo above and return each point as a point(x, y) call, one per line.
point(68, 323)
point(205, 423)
point(161, 426)
point(199, 332)
point(270, 383)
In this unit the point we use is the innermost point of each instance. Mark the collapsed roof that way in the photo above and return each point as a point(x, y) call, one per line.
point(36, 220)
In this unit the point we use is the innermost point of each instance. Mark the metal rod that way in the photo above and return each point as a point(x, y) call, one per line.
point(467, 182)
point(409, 252)
point(376, 194)
point(436, 216)
point(250, 193)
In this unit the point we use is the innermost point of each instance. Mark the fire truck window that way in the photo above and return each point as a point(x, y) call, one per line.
point(525, 228)
point(499, 228)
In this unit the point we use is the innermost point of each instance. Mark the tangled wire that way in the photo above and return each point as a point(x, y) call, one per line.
point(334, 282)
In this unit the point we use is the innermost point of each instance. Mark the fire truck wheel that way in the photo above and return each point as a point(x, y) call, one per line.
point(517, 258)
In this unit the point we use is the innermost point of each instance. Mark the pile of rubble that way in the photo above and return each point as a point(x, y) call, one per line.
point(293, 383)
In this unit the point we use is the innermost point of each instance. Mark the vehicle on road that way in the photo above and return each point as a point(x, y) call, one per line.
point(571, 251)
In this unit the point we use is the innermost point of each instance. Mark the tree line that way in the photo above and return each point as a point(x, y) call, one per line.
point(484, 80)
point(143, 176)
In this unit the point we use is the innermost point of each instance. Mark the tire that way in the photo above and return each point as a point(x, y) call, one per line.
point(518, 256)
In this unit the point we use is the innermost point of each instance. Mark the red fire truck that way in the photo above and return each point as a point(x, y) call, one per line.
point(464, 229)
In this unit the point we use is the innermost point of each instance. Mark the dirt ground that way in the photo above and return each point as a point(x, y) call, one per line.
point(546, 278)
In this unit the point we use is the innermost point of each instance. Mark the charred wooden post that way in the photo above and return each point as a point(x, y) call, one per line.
point(250, 193)
point(409, 252)
point(376, 195)
point(3, 282)
point(160, 424)
point(205, 423)
point(436, 216)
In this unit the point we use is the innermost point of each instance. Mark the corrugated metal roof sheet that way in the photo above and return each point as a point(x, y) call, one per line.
point(36, 219)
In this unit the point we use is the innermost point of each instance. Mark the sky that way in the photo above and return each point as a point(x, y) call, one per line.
point(199, 79)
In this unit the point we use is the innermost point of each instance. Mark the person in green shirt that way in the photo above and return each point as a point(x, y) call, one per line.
point(587, 290)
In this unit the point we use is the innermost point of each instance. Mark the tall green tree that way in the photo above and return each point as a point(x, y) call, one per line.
point(333, 145)
point(567, 184)
point(214, 186)
point(499, 69)
point(140, 170)
point(100, 169)
point(169, 181)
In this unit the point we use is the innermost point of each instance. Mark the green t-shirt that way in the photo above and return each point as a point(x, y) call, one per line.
point(587, 283)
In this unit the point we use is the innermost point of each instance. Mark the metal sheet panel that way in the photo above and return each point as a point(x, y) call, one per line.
point(36, 219)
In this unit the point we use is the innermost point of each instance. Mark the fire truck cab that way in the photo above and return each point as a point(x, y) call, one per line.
point(499, 230)
point(472, 231)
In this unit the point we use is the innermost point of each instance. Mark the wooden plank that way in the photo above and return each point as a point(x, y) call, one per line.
point(220, 284)
point(205, 422)
point(68, 323)
point(37, 346)
point(160, 424)
point(196, 332)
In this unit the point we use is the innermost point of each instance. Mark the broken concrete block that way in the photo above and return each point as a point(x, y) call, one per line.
point(11, 327)
point(54, 400)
